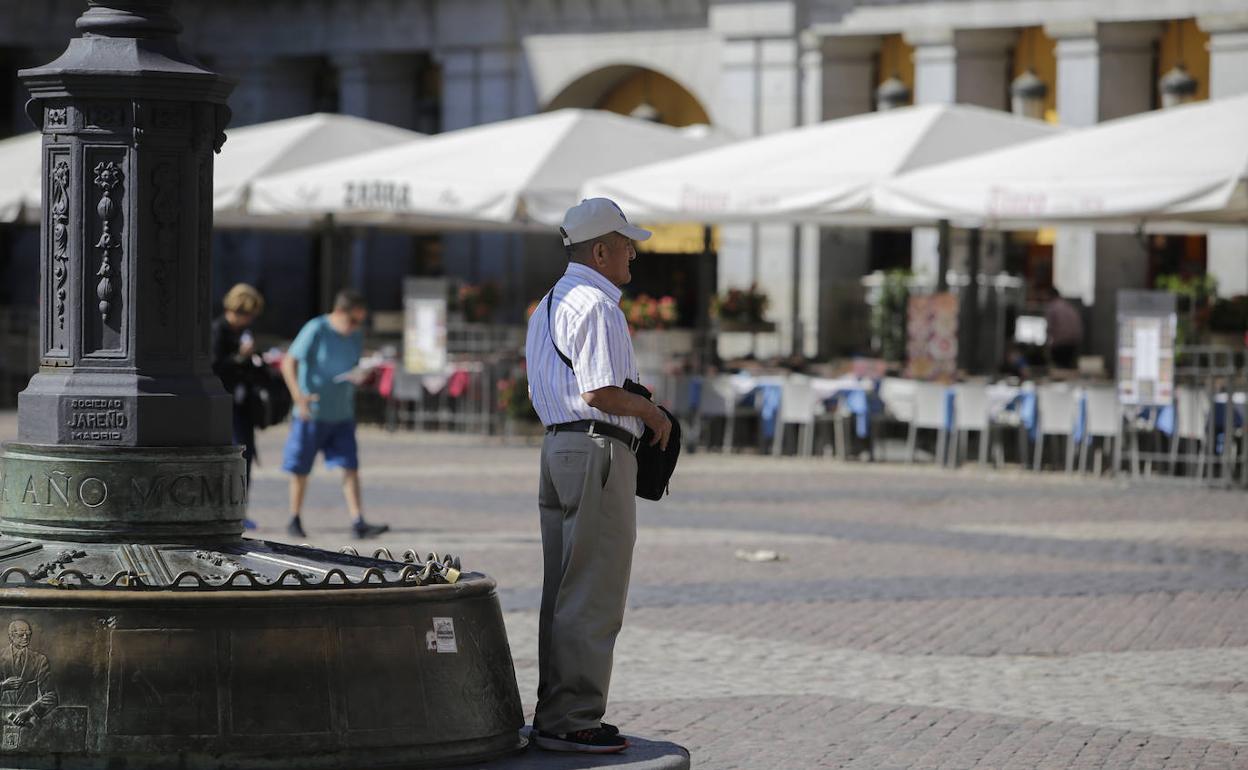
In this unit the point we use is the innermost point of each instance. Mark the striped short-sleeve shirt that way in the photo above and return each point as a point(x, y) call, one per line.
point(588, 326)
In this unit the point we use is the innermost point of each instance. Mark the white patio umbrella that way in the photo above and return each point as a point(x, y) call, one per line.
point(514, 174)
point(21, 188)
point(824, 173)
point(250, 153)
point(264, 149)
point(1185, 163)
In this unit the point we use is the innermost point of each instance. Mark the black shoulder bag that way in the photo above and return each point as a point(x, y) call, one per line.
point(654, 465)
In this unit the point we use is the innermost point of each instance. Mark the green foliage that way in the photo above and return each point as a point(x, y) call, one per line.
point(1194, 297)
point(888, 316)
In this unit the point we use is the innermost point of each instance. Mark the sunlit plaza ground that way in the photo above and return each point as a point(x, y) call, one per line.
point(916, 618)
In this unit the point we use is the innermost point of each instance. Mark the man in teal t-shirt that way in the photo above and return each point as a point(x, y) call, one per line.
point(317, 369)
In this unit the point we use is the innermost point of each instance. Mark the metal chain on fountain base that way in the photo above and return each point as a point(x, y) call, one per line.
point(251, 565)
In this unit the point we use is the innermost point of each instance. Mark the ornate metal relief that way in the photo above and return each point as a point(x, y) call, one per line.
point(26, 693)
point(165, 207)
point(56, 117)
point(105, 116)
point(60, 238)
point(107, 178)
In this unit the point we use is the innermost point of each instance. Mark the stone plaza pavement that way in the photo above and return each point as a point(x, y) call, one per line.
point(916, 619)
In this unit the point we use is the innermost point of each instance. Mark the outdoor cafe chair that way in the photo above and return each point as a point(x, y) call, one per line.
point(1103, 420)
point(896, 396)
point(1056, 404)
point(1192, 411)
point(971, 415)
point(930, 413)
point(798, 407)
point(720, 401)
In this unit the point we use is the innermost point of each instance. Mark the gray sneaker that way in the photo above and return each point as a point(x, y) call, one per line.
point(364, 530)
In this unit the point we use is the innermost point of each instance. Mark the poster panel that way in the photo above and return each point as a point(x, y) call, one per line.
point(932, 336)
point(424, 325)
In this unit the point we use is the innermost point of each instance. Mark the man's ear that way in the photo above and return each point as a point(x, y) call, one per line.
point(600, 252)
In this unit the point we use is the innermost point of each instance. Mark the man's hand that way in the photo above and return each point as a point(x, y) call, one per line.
point(21, 718)
point(12, 683)
point(657, 421)
point(303, 405)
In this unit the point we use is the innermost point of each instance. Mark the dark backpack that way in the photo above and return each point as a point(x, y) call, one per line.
point(268, 399)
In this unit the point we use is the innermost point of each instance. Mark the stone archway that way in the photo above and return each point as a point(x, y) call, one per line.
point(634, 90)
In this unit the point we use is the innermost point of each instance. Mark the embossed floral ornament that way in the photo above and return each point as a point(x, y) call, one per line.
point(60, 237)
point(107, 178)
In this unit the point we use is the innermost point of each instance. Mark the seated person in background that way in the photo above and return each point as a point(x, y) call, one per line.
point(1065, 330)
point(1014, 364)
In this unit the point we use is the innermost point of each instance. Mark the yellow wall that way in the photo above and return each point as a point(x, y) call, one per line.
point(1183, 42)
point(1035, 50)
point(895, 58)
point(676, 106)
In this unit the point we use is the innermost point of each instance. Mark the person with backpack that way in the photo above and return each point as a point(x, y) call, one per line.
point(232, 352)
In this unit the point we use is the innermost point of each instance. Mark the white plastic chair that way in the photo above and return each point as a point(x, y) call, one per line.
point(1192, 411)
point(929, 414)
point(798, 406)
point(1056, 405)
point(720, 400)
point(1104, 421)
point(970, 415)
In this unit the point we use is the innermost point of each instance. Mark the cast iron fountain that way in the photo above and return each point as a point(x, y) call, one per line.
point(143, 630)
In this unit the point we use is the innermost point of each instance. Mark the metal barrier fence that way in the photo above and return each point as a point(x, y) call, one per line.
point(465, 398)
point(1202, 437)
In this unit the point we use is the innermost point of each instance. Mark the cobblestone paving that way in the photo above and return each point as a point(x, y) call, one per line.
point(917, 618)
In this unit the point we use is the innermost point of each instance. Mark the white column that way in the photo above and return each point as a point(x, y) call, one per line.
point(935, 82)
point(759, 94)
point(1104, 71)
point(838, 81)
point(1228, 76)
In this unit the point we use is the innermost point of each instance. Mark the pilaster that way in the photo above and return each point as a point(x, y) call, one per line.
point(1228, 76)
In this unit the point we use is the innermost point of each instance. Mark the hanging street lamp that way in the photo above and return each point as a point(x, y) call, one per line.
point(1027, 95)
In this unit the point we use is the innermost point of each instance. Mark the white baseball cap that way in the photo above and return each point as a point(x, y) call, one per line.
point(594, 218)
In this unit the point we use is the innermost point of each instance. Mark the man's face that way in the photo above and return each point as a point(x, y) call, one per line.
point(613, 256)
point(19, 634)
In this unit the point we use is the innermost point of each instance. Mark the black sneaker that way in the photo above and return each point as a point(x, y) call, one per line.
point(363, 529)
point(295, 528)
point(594, 740)
point(610, 729)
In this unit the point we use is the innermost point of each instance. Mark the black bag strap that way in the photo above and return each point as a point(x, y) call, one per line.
point(550, 332)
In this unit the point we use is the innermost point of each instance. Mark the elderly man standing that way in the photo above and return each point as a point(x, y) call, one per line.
point(579, 357)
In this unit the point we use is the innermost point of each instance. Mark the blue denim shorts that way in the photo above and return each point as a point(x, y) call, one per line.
point(307, 437)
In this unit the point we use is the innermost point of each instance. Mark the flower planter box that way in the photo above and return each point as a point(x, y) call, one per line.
point(750, 327)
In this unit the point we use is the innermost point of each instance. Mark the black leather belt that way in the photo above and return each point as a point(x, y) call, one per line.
point(596, 428)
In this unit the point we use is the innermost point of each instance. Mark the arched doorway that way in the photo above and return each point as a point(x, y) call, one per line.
point(633, 90)
point(677, 262)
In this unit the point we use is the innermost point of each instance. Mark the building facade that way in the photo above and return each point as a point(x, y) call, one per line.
point(745, 67)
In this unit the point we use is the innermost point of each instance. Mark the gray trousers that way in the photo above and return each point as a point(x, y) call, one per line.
point(589, 526)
